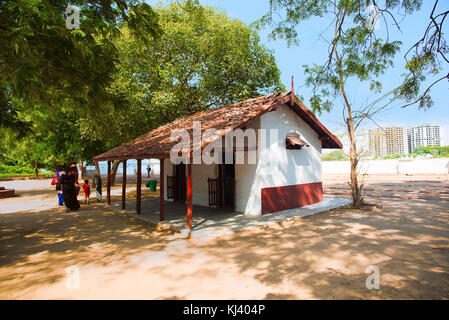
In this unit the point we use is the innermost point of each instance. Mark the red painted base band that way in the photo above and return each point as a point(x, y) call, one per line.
point(290, 197)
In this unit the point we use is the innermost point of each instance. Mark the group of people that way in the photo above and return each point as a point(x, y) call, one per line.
point(68, 187)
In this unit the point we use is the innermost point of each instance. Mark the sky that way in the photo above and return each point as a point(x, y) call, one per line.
point(312, 49)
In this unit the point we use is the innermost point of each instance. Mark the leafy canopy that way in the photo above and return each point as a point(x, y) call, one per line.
point(43, 62)
point(203, 59)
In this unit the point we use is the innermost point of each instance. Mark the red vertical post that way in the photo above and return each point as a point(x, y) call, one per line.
point(139, 185)
point(189, 196)
point(108, 187)
point(161, 189)
point(124, 185)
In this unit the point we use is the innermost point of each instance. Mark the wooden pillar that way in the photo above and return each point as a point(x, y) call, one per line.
point(139, 185)
point(161, 189)
point(124, 185)
point(189, 196)
point(108, 188)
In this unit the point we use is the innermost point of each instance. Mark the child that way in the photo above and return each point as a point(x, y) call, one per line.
point(86, 191)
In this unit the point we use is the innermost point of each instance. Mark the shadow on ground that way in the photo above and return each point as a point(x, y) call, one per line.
point(318, 257)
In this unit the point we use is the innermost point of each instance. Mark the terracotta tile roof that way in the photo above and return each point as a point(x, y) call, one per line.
point(157, 144)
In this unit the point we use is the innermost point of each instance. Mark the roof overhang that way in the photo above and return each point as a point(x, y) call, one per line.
point(329, 141)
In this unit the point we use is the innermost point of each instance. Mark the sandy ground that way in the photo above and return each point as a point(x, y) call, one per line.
point(324, 256)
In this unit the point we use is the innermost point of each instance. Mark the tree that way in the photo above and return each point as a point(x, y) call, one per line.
point(43, 62)
point(337, 155)
point(203, 59)
point(355, 52)
point(428, 57)
point(53, 139)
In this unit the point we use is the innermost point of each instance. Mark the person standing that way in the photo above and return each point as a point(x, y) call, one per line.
point(86, 191)
point(97, 185)
point(58, 174)
point(69, 191)
point(148, 171)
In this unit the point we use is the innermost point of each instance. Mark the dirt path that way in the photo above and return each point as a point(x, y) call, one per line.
point(320, 257)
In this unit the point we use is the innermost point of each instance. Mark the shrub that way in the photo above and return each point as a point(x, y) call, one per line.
point(6, 169)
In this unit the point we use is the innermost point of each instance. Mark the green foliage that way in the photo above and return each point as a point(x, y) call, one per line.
point(14, 170)
point(440, 152)
point(355, 51)
point(203, 59)
point(68, 105)
point(337, 155)
point(427, 58)
point(392, 156)
point(42, 62)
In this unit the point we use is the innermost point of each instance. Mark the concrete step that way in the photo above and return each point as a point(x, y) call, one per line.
point(7, 193)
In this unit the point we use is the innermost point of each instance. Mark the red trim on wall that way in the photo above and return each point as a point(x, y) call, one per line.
point(289, 197)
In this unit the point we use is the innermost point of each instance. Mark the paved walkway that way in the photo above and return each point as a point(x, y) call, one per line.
point(208, 222)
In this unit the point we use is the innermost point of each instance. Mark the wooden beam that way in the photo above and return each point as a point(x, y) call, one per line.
point(108, 187)
point(139, 186)
point(128, 157)
point(124, 185)
point(189, 196)
point(161, 190)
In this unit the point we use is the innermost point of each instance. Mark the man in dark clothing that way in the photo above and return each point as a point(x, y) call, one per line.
point(68, 184)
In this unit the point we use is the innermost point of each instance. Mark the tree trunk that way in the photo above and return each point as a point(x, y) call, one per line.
point(356, 189)
point(115, 165)
point(97, 168)
point(36, 170)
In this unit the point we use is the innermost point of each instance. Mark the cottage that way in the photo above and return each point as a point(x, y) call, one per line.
point(277, 165)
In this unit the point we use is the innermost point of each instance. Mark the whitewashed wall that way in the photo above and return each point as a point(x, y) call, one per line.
point(276, 165)
point(392, 166)
point(200, 174)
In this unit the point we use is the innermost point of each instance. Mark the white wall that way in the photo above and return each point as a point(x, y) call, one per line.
point(200, 174)
point(247, 188)
point(392, 166)
point(276, 165)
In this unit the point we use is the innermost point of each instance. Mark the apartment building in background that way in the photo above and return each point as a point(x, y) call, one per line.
point(424, 135)
point(400, 140)
point(388, 141)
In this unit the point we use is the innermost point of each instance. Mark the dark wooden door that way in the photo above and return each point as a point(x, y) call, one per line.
point(228, 177)
point(181, 182)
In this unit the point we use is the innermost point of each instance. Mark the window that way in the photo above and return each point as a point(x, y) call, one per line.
point(293, 141)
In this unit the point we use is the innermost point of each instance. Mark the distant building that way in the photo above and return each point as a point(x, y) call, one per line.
point(388, 141)
point(399, 140)
point(424, 135)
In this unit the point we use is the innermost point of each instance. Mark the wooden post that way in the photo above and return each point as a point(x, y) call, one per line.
point(161, 190)
point(124, 185)
point(108, 188)
point(139, 185)
point(189, 196)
